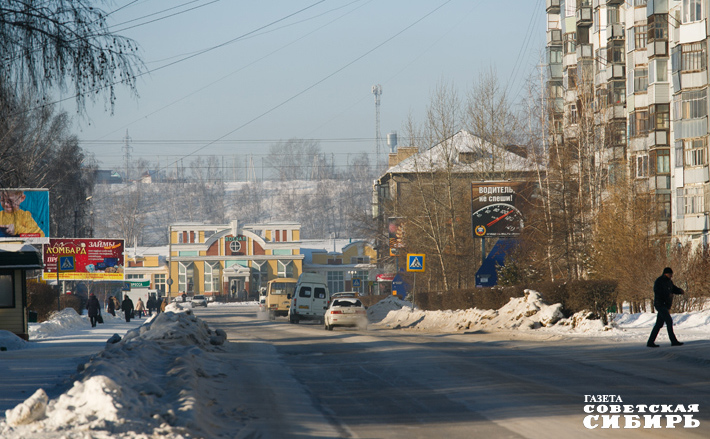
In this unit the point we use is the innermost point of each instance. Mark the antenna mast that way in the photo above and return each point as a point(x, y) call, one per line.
point(127, 148)
point(377, 91)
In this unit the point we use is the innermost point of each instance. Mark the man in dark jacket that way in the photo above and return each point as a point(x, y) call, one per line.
point(127, 308)
point(94, 308)
point(663, 291)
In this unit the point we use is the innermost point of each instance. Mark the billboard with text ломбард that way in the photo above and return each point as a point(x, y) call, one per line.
point(94, 259)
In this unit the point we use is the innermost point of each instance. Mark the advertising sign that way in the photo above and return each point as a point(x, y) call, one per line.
point(24, 215)
point(395, 232)
point(495, 209)
point(94, 259)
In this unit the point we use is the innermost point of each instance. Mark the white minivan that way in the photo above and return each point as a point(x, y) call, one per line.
point(309, 299)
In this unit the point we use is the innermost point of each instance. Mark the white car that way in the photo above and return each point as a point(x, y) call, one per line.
point(199, 301)
point(345, 311)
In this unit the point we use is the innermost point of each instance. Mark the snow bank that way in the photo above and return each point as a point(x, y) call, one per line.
point(528, 312)
point(9, 341)
point(149, 382)
point(60, 322)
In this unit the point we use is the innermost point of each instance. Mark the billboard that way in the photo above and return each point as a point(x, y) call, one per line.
point(495, 208)
point(93, 259)
point(395, 233)
point(24, 215)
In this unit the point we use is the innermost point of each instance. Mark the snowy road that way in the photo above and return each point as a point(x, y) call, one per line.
point(303, 381)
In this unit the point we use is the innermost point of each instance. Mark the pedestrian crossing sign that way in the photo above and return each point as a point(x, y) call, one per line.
point(66, 263)
point(415, 262)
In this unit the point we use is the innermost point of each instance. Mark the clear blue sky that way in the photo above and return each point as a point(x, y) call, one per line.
point(306, 76)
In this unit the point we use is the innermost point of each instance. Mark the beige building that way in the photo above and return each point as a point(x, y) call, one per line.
point(234, 260)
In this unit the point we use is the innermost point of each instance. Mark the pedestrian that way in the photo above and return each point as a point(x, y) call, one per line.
point(127, 307)
point(163, 304)
point(94, 309)
point(111, 306)
point(184, 297)
point(140, 308)
point(150, 305)
point(663, 291)
point(159, 305)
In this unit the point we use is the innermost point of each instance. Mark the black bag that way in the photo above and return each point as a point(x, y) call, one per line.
point(99, 319)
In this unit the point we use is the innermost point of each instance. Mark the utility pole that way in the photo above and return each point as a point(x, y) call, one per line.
point(377, 91)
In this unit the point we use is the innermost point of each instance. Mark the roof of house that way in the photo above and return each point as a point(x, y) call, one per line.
point(465, 152)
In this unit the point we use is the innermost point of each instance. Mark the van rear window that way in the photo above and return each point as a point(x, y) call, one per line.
point(320, 293)
point(304, 292)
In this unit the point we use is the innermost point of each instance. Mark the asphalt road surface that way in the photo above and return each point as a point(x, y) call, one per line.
point(300, 381)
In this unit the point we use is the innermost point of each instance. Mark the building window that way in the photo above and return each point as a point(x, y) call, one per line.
point(694, 104)
point(663, 161)
point(679, 154)
point(658, 27)
point(285, 269)
point(212, 277)
point(640, 34)
point(694, 200)
point(639, 3)
point(159, 282)
point(7, 289)
point(661, 70)
point(692, 10)
point(640, 79)
point(617, 92)
point(693, 57)
point(664, 203)
point(638, 123)
point(660, 116)
point(615, 51)
point(570, 43)
point(134, 276)
point(360, 260)
point(186, 277)
point(641, 166)
point(336, 281)
point(573, 113)
point(696, 151)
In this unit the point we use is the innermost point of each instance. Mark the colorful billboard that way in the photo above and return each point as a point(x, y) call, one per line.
point(495, 208)
point(395, 232)
point(24, 215)
point(86, 259)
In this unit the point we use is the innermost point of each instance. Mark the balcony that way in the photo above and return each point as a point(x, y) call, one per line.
point(553, 6)
point(584, 52)
point(616, 71)
point(614, 2)
point(584, 15)
point(554, 37)
point(615, 32)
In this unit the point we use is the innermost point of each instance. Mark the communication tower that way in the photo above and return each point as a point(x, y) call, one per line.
point(377, 91)
point(127, 148)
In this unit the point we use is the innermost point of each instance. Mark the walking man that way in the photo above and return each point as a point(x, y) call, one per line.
point(663, 291)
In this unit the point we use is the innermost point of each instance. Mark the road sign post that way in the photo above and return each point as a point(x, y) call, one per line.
point(415, 263)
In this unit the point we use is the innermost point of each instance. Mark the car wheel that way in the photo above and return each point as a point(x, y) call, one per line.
point(328, 328)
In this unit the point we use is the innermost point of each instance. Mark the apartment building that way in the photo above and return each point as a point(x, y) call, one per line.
point(637, 69)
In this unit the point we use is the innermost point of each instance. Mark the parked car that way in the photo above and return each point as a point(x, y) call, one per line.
point(345, 311)
point(199, 300)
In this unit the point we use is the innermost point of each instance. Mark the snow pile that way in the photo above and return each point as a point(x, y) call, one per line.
point(9, 341)
point(60, 322)
point(379, 311)
point(150, 382)
point(528, 312)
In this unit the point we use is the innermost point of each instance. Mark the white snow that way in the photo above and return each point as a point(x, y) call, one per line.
point(148, 383)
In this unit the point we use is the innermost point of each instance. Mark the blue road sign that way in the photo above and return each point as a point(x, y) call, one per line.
point(66, 263)
point(415, 262)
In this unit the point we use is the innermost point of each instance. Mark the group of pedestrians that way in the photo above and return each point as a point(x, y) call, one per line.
point(130, 310)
